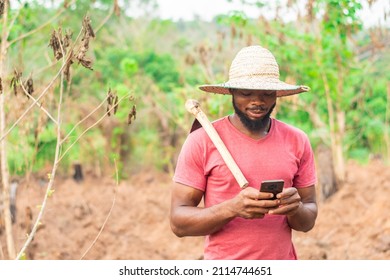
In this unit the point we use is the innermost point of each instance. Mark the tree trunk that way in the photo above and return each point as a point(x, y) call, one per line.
point(326, 172)
point(336, 139)
point(338, 154)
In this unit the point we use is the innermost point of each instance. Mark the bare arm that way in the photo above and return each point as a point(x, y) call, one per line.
point(187, 219)
point(300, 207)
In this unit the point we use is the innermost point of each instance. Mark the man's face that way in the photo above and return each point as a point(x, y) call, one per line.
point(254, 107)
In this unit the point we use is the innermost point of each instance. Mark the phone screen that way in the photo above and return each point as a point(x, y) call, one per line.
point(272, 186)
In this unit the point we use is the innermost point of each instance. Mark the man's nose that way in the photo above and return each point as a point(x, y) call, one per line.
point(258, 99)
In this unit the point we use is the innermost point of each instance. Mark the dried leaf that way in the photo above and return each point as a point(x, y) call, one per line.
point(15, 81)
point(55, 45)
point(132, 115)
point(1, 86)
point(67, 69)
point(2, 3)
point(116, 104)
point(59, 44)
point(109, 97)
point(67, 39)
point(29, 85)
point(134, 111)
point(129, 118)
point(88, 31)
point(86, 62)
point(83, 60)
point(13, 85)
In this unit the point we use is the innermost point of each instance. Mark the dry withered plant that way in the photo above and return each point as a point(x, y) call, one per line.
point(63, 49)
point(67, 52)
point(132, 115)
point(14, 84)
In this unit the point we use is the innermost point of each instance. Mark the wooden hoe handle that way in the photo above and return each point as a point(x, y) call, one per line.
point(193, 107)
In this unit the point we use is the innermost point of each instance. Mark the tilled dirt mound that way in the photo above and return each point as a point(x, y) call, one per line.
point(352, 224)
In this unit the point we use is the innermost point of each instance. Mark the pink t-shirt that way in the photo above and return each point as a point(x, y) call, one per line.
point(285, 153)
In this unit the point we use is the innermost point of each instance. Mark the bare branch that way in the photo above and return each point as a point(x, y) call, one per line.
point(40, 106)
point(109, 212)
point(104, 21)
point(81, 121)
point(89, 128)
point(39, 97)
point(8, 30)
point(33, 104)
point(41, 26)
point(54, 169)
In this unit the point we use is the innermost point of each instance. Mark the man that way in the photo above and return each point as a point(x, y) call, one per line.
point(246, 223)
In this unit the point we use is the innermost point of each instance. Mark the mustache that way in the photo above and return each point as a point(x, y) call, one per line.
point(261, 108)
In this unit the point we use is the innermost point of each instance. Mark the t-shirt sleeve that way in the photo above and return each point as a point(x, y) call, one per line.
point(190, 164)
point(306, 175)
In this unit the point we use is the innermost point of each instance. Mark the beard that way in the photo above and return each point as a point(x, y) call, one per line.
point(253, 125)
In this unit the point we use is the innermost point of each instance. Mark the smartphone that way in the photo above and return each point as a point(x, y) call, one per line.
point(272, 186)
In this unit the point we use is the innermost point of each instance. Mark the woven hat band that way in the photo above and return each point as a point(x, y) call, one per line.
point(254, 76)
point(254, 61)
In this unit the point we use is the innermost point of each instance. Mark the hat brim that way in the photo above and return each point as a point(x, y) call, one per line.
point(281, 88)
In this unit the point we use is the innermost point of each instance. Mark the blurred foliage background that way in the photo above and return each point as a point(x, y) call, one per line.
point(162, 62)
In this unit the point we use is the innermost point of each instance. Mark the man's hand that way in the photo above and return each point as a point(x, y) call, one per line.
point(299, 206)
point(252, 204)
point(289, 202)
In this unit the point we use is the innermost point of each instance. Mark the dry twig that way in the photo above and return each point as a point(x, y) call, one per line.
point(81, 121)
point(41, 26)
point(39, 97)
point(26, 92)
point(89, 128)
point(108, 215)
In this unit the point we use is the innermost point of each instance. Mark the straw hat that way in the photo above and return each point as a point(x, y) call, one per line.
point(255, 68)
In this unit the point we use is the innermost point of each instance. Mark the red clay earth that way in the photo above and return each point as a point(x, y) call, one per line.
point(352, 224)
